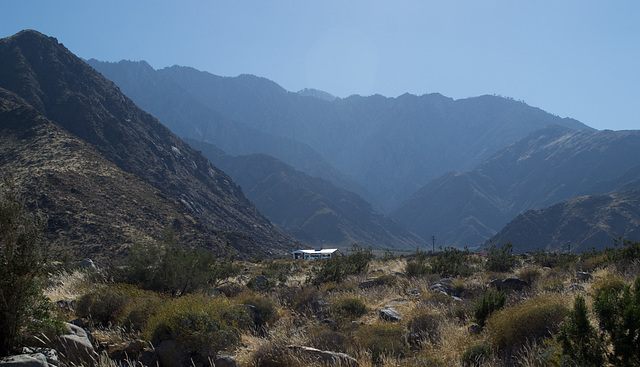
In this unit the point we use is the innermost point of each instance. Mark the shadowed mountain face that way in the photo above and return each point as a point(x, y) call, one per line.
point(311, 209)
point(389, 146)
point(549, 166)
point(578, 224)
point(75, 97)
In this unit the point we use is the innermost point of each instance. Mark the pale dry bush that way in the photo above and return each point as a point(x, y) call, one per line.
point(69, 285)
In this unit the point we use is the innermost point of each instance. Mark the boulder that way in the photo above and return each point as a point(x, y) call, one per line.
point(445, 286)
point(254, 314)
point(170, 353)
point(584, 276)
point(324, 356)
point(76, 346)
point(509, 284)
point(225, 360)
point(390, 314)
point(25, 360)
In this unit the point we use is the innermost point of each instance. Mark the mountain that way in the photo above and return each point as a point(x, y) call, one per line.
point(72, 95)
point(310, 209)
point(188, 117)
point(390, 146)
point(550, 165)
point(579, 224)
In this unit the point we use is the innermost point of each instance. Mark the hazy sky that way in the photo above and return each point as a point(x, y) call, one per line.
point(578, 59)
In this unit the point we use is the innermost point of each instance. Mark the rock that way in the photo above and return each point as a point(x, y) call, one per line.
point(225, 360)
point(325, 356)
point(49, 353)
point(367, 283)
point(78, 322)
point(475, 329)
point(149, 358)
point(390, 314)
point(169, 353)
point(260, 283)
point(445, 286)
point(76, 349)
point(509, 284)
point(254, 314)
point(584, 276)
point(135, 348)
point(86, 264)
point(66, 305)
point(25, 360)
point(414, 292)
point(575, 288)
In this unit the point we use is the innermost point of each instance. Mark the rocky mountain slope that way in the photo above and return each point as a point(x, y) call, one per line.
point(549, 166)
point(389, 146)
point(73, 96)
point(310, 209)
point(578, 224)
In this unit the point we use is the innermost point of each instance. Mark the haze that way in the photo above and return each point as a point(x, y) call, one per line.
point(575, 59)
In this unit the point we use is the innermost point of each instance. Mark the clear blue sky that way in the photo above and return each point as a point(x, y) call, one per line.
point(573, 58)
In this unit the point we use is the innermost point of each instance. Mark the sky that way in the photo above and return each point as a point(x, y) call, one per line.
point(572, 58)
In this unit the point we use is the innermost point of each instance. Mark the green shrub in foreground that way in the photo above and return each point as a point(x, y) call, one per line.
point(489, 303)
point(531, 320)
point(200, 324)
point(580, 341)
point(385, 339)
point(476, 355)
point(349, 307)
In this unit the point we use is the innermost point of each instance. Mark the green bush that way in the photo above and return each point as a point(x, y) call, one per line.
point(199, 324)
point(417, 266)
point(451, 263)
point(337, 268)
point(264, 305)
point(489, 303)
point(476, 355)
point(427, 325)
point(324, 338)
point(501, 259)
point(120, 304)
point(531, 320)
point(580, 341)
point(166, 267)
point(552, 259)
point(382, 340)
point(349, 307)
point(618, 312)
point(22, 263)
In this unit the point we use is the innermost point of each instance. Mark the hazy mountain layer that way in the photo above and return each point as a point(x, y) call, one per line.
point(549, 166)
point(311, 209)
point(390, 146)
point(75, 97)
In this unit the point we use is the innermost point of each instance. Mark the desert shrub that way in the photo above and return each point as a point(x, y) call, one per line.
point(275, 354)
point(531, 320)
point(337, 268)
point(580, 341)
point(304, 300)
point(618, 312)
point(276, 272)
point(385, 339)
point(476, 355)
point(488, 304)
point(529, 275)
point(427, 325)
point(501, 259)
point(264, 305)
point(451, 262)
point(552, 259)
point(199, 324)
point(417, 266)
point(326, 339)
point(164, 266)
point(348, 307)
point(120, 304)
point(22, 267)
point(552, 284)
point(623, 253)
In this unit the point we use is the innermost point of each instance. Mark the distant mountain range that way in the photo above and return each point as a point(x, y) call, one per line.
point(46, 84)
point(310, 209)
point(322, 169)
point(550, 165)
point(382, 148)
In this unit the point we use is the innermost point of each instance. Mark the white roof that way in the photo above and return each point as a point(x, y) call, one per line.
point(321, 251)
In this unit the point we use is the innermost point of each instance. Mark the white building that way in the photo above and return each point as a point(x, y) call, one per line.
point(319, 253)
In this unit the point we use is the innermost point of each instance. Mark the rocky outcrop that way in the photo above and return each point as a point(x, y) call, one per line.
point(324, 356)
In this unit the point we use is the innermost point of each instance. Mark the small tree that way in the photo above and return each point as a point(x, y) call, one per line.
point(580, 341)
point(22, 261)
point(337, 268)
point(501, 259)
